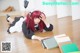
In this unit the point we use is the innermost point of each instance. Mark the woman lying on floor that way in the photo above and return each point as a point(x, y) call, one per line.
point(35, 21)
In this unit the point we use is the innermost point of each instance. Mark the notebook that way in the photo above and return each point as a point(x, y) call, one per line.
point(69, 48)
point(49, 43)
point(63, 39)
point(62, 35)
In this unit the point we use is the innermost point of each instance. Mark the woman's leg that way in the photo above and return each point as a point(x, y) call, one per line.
point(9, 19)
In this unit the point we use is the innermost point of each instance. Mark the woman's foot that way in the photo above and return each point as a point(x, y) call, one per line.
point(7, 16)
point(8, 31)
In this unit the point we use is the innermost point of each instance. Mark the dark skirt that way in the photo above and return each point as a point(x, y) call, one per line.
point(16, 19)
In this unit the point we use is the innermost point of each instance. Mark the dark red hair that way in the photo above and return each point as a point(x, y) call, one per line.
point(30, 20)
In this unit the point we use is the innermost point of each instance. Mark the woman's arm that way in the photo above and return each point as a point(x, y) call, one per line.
point(48, 27)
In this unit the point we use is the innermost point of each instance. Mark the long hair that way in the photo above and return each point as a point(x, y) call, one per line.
point(30, 20)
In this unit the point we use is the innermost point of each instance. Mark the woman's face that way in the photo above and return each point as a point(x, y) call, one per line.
point(36, 20)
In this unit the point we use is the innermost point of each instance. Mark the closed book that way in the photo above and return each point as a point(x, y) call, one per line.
point(49, 43)
point(75, 52)
point(69, 48)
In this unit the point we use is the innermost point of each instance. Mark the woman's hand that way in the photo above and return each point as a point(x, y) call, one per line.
point(43, 17)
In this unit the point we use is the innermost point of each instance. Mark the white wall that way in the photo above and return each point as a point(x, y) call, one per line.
point(60, 11)
point(37, 5)
point(30, 5)
point(5, 3)
point(75, 11)
point(63, 10)
point(47, 9)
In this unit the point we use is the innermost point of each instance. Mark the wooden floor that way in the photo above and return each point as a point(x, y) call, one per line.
point(20, 44)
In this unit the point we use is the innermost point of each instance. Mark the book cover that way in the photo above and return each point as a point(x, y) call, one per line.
point(69, 48)
point(49, 43)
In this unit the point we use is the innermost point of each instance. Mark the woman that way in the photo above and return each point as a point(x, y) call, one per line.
point(35, 21)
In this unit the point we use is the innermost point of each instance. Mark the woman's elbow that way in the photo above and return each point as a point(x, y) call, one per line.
point(50, 28)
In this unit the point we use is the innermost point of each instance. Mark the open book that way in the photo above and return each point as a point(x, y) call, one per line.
point(62, 38)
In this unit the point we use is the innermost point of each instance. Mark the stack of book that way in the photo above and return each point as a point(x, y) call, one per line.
point(62, 41)
point(54, 41)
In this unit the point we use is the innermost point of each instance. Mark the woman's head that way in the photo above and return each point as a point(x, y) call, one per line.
point(35, 18)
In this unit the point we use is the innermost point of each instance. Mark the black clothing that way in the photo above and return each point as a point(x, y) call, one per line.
point(29, 33)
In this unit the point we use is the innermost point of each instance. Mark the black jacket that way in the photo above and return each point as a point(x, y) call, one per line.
point(29, 33)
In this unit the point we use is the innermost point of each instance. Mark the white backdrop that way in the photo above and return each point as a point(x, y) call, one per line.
point(63, 10)
point(60, 11)
point(76, 11)
point(37, 5)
